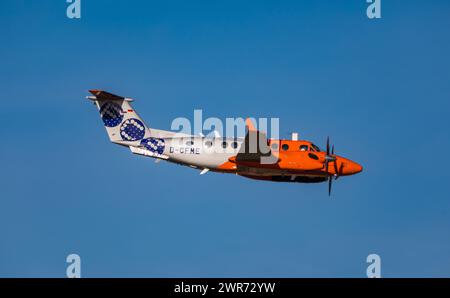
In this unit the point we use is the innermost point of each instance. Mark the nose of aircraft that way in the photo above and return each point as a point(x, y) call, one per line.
point(351, 167)
point(347, 166)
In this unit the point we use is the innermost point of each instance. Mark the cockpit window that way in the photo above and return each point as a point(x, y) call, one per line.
point(315, 148)
point(303, 147)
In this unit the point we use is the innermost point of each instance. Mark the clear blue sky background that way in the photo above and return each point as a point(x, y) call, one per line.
point(379, 88)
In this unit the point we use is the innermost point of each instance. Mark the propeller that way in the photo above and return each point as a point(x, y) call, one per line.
point(330, 157)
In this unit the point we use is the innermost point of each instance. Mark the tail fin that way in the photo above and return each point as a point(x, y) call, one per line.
point(122, 123)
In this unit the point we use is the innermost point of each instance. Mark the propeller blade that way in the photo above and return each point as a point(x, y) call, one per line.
point(330, 182)
point(328, 145)
point(332, 158)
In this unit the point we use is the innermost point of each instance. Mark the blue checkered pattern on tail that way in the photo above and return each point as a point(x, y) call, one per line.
point(111, 114)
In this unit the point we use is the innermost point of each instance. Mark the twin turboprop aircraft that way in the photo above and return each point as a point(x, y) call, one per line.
point(254, 156)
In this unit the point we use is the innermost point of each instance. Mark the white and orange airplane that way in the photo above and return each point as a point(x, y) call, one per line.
point(254, 156)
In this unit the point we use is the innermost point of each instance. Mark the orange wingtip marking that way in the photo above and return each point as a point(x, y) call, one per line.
point(249, 124)
point(95, 91)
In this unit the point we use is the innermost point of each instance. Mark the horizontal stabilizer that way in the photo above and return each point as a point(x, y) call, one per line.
point(145, 152)
point(103, 95)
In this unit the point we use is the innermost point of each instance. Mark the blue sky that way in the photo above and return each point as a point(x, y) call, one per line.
point(379, 88)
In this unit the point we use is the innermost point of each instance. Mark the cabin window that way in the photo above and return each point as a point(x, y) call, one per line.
point(224, 144)
point(274, 146)
point(208, 144)
point(313, 156)
point(303, 148)
point(189, 143)
point(234, 145)
point(285, 147)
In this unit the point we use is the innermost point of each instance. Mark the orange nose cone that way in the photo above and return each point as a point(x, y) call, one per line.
point(354, 168)
point(348, 167)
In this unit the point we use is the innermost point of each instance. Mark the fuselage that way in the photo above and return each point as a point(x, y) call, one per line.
point(294, 161)
point(254, 156)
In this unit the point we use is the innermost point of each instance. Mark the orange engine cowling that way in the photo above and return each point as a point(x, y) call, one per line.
point(286, 162)
point(303, 165)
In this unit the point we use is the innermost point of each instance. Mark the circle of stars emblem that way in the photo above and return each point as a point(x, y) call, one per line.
point(154, 145)
point(132, 130)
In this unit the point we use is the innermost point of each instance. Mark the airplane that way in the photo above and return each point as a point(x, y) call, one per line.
point(254, 156)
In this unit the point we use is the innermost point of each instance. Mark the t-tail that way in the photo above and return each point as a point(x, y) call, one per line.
point(122, 123)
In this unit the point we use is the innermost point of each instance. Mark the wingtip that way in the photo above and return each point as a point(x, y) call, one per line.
point(95, 91)
point(249, 124)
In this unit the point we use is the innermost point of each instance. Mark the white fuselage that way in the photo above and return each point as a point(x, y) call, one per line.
point(201, 152)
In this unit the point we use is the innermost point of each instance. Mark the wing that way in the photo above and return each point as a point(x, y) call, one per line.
point(255, 148)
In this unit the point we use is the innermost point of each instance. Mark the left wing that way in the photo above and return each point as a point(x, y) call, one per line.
point(255, 148)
